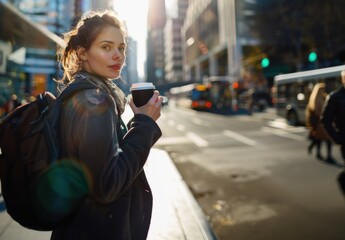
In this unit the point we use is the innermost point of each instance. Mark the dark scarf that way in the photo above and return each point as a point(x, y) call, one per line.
point(105, 85)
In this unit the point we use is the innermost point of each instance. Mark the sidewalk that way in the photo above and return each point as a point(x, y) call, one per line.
point(176, 215)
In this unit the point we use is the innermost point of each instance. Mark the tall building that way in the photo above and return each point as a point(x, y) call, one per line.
point(253, 41)
point(173, 42)
point(28, 33)
point(129, 72)
point(40, 65)
point(201, 35)
point(131, 63)
point(155, 42)
point(101, 4)
point(30, 41)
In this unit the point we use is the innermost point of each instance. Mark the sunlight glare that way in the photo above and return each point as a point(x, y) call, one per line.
point(169, 3)
point(171, 8)
point(134, 13)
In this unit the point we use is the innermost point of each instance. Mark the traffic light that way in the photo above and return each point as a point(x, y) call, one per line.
point(312, 57)
point(235, 85)
point(265, 62)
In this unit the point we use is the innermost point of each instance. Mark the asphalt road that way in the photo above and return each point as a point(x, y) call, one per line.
point(253, 177)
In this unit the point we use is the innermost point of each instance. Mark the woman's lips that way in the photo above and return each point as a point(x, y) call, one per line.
point(115, 67)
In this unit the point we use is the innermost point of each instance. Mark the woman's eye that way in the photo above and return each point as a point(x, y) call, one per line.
point(106, 47)
point(121, 49)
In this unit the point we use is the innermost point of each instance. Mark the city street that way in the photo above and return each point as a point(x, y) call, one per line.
point(249, 172)
point(253, 177)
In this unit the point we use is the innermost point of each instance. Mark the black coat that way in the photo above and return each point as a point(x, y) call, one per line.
point(119, 205)
point(333, 116)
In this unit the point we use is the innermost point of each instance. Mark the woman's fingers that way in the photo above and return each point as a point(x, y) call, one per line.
point(152, 108)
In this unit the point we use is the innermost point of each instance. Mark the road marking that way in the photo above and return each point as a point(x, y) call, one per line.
point(180, 127)
point(171, 123)
point(200, 142)
point(239, 137)
point(281, 124)
point(198, 121)
point(172, 141)
point(282, 133)
point(278, 123)
point(189, 138)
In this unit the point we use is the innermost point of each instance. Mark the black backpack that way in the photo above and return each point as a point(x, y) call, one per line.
point(41, 191)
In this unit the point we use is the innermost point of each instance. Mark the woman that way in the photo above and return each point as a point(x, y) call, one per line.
point(317, 133)
point(119, 203)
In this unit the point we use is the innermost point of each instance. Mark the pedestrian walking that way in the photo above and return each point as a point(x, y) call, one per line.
point(119, 203)
point(333, 116)
point(317, 133)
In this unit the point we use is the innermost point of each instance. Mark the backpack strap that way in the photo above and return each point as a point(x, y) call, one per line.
point(74, 88)
point(42, 100)
point(50, 120)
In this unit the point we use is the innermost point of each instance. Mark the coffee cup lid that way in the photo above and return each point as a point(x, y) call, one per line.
point(142, 86)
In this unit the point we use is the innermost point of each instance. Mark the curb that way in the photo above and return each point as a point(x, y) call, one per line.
point(171, 194)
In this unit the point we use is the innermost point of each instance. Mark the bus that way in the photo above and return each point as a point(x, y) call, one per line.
point(215, 94)
point(195, 96)
point(181, 96)
point(292, 91)
point(200, 97)
point(225, 94)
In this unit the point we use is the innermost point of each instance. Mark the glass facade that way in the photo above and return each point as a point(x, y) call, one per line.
point(203, 34)
point(31, 47)
point(261, 39)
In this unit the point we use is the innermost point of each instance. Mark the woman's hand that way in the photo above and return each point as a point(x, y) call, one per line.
point(152, 108)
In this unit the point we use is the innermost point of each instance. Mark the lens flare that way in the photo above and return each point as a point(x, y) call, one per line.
point(61, 188)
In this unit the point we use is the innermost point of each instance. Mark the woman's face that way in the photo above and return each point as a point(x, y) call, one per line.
point(106, 55)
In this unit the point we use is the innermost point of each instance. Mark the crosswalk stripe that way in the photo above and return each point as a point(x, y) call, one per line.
point(172, 141)
point(282, 133)
point(199, 141)
point(191, 137)
point(239, 137)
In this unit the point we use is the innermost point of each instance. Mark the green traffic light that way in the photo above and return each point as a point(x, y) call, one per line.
point(312, 57)
point(265, 62)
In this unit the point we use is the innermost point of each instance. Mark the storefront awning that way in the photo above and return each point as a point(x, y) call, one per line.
point(20, 30)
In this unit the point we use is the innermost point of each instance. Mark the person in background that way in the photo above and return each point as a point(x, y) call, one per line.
point(119, 203)
point(11, 104)
point(317, 134)
point(333, 115)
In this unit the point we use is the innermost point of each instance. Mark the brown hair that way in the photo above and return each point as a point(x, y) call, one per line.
point(83, 34)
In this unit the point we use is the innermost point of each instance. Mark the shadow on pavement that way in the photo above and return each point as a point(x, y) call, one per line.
point(2, 204)
point(341, 181)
